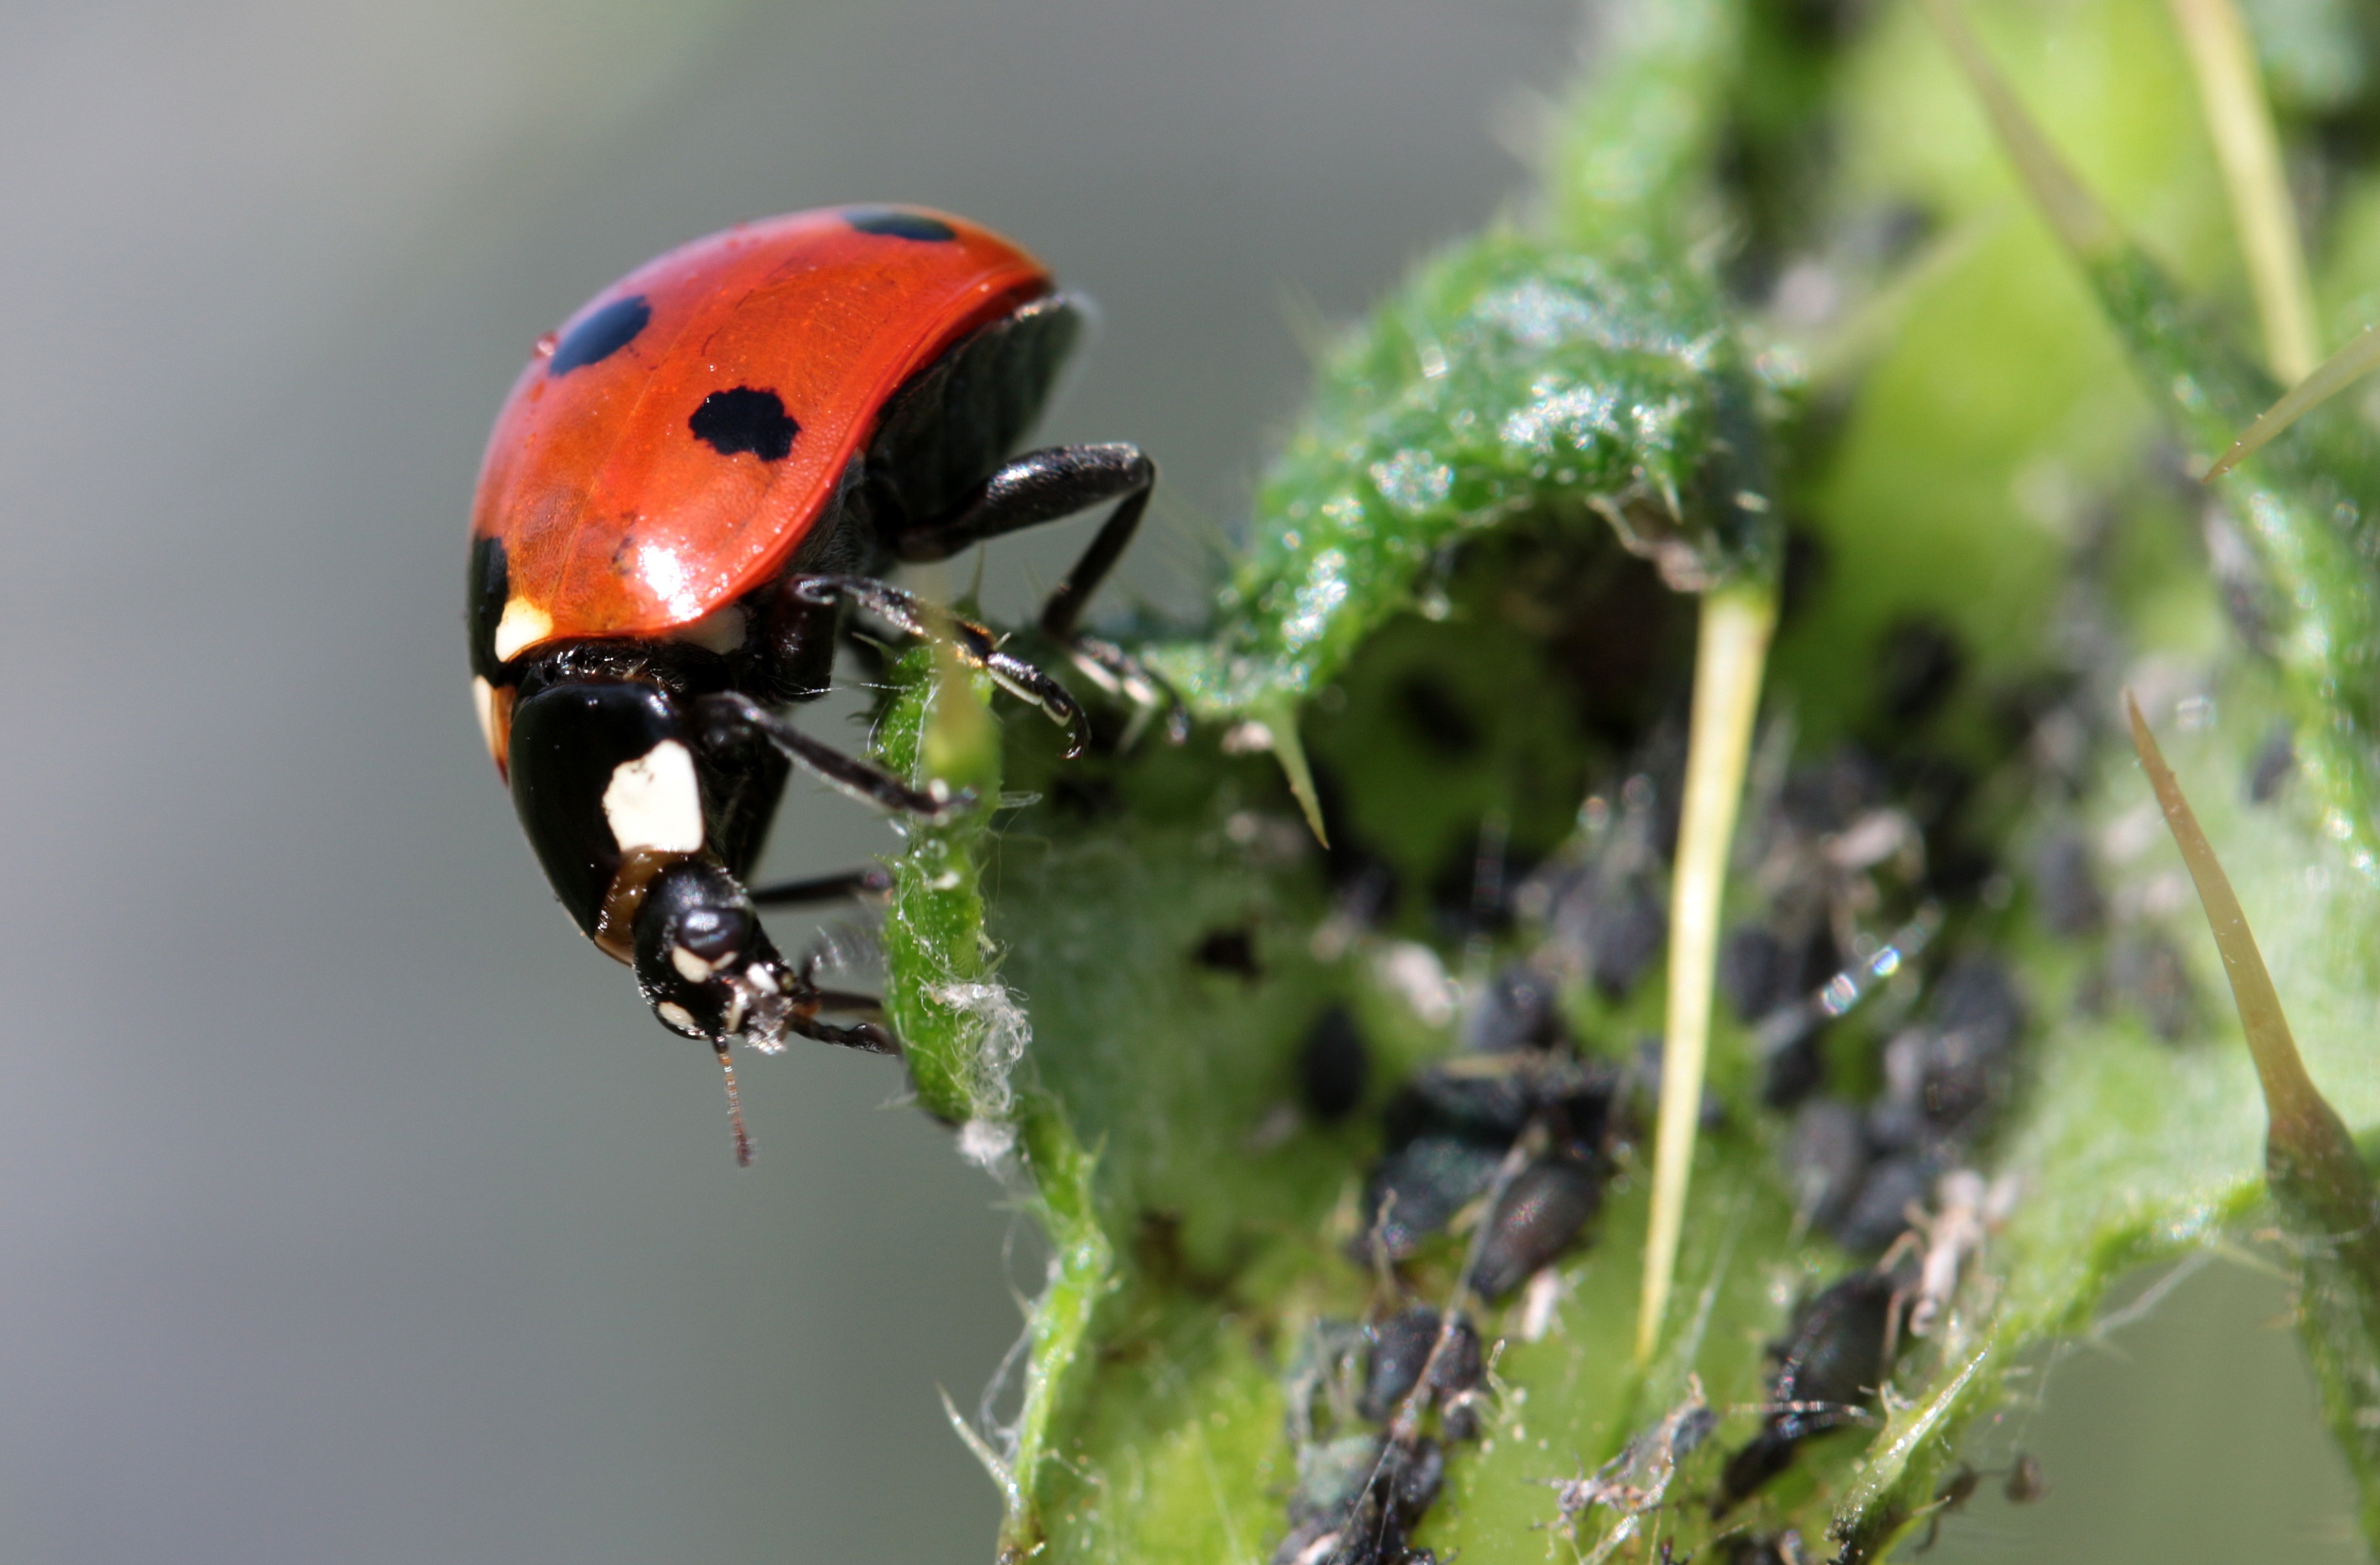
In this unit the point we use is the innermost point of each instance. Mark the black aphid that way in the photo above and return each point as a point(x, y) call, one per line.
point(1230, 950)
point(2146, 970)
point(1517, 1011)
point(1333, 1066)
point(1877, 1212)
point(1358, 1501)
point(1942, 1076)
point(1449, 1130)
point(1829, 1373)
point(1917, 668)
point(1826, 1159)
point(2066, 887)
point(1957, 1488)
point(1401, 1348)
point(1416, 1190)
point(2275, 762)
point(1757, 973)
point(1540, 1214)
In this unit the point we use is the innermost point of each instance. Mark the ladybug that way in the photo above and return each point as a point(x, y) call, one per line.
point(690, 489)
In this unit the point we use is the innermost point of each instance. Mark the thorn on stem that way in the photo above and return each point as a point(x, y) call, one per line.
point(2333, 375)
point(2309, 1160)
point(1280, 723)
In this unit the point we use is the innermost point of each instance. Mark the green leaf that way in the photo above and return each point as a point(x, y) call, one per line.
point(1461, 598)
point(1509, 377)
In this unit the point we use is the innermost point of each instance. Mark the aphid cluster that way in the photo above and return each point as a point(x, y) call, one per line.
point(1858, 862)
point(1858, 1169)
point(1524, 1131)
point(1881, 1024)
point(1360, 1397)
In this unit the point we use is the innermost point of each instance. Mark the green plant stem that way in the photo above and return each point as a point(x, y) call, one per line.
point(1082, 1271)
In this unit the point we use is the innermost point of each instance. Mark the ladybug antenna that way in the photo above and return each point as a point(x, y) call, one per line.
point(735, 1111)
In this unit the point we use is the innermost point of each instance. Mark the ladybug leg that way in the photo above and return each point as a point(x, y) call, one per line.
point(1042, 486)
point(973, 642)
point(868, 1038)
point(872, 881)
point(730, 714)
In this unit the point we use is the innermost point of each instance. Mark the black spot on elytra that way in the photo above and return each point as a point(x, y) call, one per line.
point(600, 335)
point(893, 223)
point(746, 419)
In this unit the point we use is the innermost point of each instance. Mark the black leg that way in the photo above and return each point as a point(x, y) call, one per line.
point(1042, 486)
point(873, 880)
point(973, 642)
point(870, 1037)
point(732, 713)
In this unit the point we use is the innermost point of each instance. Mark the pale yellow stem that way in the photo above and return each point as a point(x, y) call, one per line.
point(2241, 121)
point(1729, 655)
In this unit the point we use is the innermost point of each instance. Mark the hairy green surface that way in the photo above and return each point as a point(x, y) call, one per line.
point(1509, 377)
point(1500, 468)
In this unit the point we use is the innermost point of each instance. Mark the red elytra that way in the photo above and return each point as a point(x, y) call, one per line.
point(614, 521)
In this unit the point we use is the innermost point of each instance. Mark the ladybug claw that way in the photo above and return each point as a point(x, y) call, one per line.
point(973, 642)
point(1027, 683)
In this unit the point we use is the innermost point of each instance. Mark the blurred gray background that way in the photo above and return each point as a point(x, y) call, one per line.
point(351, 1208)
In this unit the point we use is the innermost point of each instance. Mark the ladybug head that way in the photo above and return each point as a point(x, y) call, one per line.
point(704, 965)
point(709, 972)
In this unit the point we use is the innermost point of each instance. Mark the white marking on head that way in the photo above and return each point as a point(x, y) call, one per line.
point(735, 1009)
point(690, 967)
point(654, 802)
point(483, 701)
point(677, 1016)
point(524, 624)
point(762, 980)
point(720, 631)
